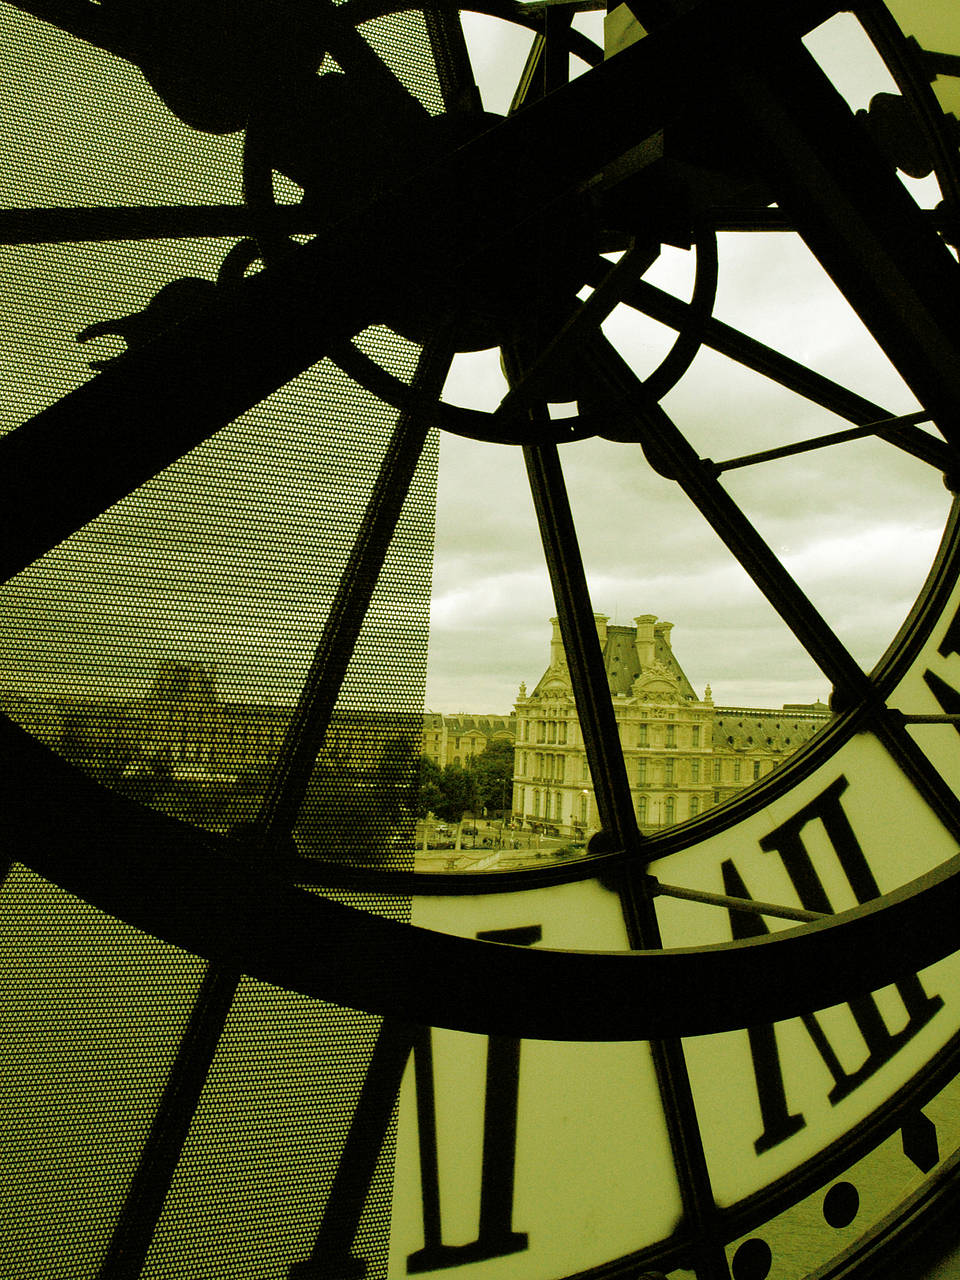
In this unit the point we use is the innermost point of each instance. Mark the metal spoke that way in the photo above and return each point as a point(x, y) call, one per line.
point(860, 223)
point(763, 218)
point(311, 31)
point(820, 442)
point(612, 789)
point(750, 906)
point(779, 368)
point(271, 831)
point(147, 222)
point(311, 718)
point(451, 57)
point(670, 453)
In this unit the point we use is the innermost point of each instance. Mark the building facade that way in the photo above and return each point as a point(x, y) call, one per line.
point(458, 739)
point(683, 754)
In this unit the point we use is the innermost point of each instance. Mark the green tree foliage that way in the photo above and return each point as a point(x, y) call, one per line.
point(342, 816)
point(459, 793)
point(493, 775)
point(486, 783)
point(430, 787)
point(360, 814)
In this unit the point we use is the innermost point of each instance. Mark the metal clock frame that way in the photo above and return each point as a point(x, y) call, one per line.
point(877, 254)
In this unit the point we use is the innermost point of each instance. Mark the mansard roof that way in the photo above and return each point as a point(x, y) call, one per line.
point(622, 664)
point(752, 728)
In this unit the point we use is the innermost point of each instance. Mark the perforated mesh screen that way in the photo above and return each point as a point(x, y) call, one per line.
point(161, 649)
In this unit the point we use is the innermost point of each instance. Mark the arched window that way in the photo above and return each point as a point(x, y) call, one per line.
point(694, 806)
point(642, 809)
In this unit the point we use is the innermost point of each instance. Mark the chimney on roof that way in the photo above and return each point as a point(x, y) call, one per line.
point(645, 639)
point(556, 645)
point(601, 619)
point(662, 631)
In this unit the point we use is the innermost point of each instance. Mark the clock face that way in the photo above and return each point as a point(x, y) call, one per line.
point(276, 235)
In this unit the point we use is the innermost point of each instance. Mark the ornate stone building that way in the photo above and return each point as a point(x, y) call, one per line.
point(457, 739)
point(683, 754)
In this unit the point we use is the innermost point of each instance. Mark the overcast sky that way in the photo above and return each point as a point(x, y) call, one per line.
point(857, 525)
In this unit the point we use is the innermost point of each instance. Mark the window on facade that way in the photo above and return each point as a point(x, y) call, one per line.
point(541, 731)
point(642, 735)
point(694, 770)
point(536, 804)
point(642, 809)
point(546, 804)
point(585, 772)
point(694, 806)
point(671, 740)
point(583, 808)
point(669, 810)
point(756, 770)
point(716, 797)
point(716, 770)
point(641, 771)
point(562, 731)
point(668, 771)
point(559, 768)
point(695, 736)
point(552, 731)
point(736, 770)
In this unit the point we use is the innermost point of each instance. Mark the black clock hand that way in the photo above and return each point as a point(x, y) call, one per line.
point(211, 62)
point(74, 459)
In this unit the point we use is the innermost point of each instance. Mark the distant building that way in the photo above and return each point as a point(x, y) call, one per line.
point(458, 739)
point(683, 754)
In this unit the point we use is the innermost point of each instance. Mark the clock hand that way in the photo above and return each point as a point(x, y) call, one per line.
point(188, 383)
point(211, 62)
point(142, 222)
point(74, 459)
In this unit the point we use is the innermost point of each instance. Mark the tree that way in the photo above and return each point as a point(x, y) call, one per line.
point(342, 817)
point(493, 775)
point(396, 778)
point(430, 787)
point(459, 793)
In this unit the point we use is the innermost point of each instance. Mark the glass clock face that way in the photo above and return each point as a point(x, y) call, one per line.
point(635, 274)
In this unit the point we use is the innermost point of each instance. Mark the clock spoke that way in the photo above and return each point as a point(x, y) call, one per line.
point(605, 756)
point(451, 57)
point(791, 374)
point(581, 645)
point(670, 453)
point(157, 222)
point(885, 429)
point(269, 837)
point(311, 717)
point(857, 219)
point(749, 906)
